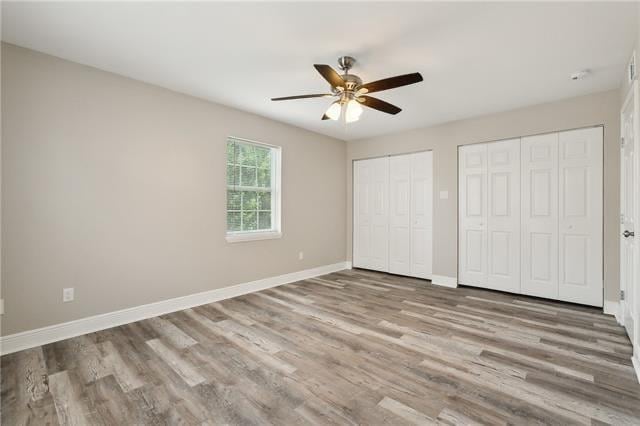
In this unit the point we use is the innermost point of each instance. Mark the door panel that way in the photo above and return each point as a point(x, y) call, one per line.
point(540, 184)
point(580, 216)
point(399, 214)
point(380, 246)
point(421, 214)
point(575, 247)
point(475, 244)
point(542, 265)
point(628, 188)
point(500, 188)
point(501, 248)
point(371, 214)
point(503, 222)
point(539, 223)
point(472, 199)
point(361, 215)
point(475, 194)
point(574, 201)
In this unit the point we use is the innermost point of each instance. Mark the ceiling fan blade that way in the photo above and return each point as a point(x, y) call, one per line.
point(330, 75)
point(378, 104)
point(316, 95)
point(392, 82)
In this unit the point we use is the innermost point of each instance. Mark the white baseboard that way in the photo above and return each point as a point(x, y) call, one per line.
point(444, 281)
point(612, 308)
point(41, 336)
point(636, 366)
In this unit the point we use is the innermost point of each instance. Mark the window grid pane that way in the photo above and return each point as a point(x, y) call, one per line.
point(234, 220)
point(264, 219)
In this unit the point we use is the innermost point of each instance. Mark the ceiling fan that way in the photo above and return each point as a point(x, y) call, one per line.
point(351, 92)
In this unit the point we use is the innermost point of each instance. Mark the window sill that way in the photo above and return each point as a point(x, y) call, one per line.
point(253, 236)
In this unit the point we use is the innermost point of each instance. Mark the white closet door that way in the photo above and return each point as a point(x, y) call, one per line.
point(421, 214)
point(503, 232)
point(362, 189)
point(540, 215)
point(371, 215)
point(399, 214)
point(473, 215)
point(580, 216)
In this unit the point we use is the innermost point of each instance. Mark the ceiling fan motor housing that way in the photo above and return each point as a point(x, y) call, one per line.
point(351, 82)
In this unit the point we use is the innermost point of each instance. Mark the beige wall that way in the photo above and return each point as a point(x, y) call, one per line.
point(117, 188)
point(601, 108)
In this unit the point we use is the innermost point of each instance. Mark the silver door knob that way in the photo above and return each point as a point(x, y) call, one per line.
point(628, 234)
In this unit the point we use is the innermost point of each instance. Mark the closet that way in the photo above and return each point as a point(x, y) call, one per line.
point(530, 215)
point(392, 214)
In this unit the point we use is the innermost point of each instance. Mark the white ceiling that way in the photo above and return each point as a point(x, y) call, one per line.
point(475, 58)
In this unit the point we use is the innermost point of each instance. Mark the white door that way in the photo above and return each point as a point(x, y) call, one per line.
point(472, 177)
point(628, 187)
point(371, 214)
point(580, 216)
point(362, 188)
point(421, 214)
point(399, 214)
point(503, 215)
point(539, 195)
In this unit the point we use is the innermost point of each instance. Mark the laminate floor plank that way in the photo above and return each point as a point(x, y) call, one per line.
point(351, 347)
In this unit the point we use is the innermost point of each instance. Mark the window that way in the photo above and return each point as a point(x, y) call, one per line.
point(253, 193)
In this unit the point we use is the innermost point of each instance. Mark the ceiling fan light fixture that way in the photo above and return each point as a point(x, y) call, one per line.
point(353, 112)
point(334, 111)
point(352, 93)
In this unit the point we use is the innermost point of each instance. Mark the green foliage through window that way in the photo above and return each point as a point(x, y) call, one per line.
point(249, 186)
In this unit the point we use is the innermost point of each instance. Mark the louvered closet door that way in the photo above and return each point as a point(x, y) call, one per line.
point(399, 214)
point(580, 216)
point(540, 215)
point(472, 215)
point(421, 214)
point(370, 214)
point(503, 233)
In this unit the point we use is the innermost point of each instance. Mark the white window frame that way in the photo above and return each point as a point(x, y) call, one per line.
point(276, 196)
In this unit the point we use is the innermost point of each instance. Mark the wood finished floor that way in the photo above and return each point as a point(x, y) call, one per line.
point(353, 347)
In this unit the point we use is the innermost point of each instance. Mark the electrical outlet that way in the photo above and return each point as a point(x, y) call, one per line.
point(301, 255)
point(67, 294)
